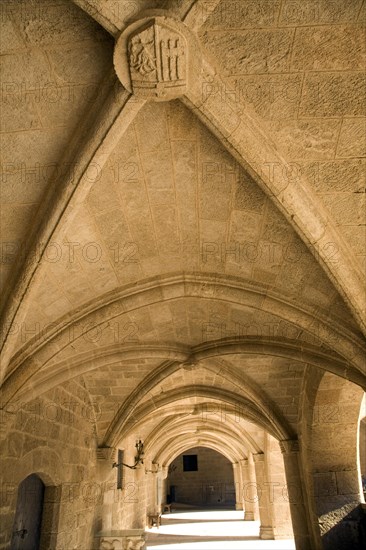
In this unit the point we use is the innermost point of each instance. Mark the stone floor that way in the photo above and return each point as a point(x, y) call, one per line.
point(210, 530)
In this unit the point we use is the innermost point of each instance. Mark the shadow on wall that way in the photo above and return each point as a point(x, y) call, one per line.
point(345, 528)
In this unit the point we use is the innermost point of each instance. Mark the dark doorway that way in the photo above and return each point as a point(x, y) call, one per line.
point(28, 515)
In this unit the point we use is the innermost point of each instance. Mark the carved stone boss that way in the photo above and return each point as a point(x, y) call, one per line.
point(157, 60)
point(151, 59)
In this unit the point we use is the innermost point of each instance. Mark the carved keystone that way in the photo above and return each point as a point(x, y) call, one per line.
point(158, 61)
point(190, 364)
point(151, 58)
point(289, 446)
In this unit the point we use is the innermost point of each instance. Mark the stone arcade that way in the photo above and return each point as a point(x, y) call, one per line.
point(183, 259)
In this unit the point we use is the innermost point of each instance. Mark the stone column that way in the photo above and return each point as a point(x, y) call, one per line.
point(151, 493)
point(249, 494)
point(238, 486)
point(265, 507)
point(139, 507)
point(107, 477)
point(164, 488)
point(290, 451)
point(159, 491)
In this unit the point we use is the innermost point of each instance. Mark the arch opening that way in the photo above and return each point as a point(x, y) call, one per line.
point(203, 478)
point(199, 453)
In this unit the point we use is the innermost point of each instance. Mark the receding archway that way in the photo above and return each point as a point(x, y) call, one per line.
point(201, 477)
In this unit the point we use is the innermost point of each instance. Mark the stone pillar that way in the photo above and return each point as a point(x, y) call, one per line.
point(159, 491)
point(290, 451)
point(164, 488)
point(249, 490)
point(151, 504)
point(139, 508)
point(265, 507)
point(152, 490)
point(107, 476)
point(238, 486)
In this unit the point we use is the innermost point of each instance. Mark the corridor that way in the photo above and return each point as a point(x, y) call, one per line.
point(210, 530)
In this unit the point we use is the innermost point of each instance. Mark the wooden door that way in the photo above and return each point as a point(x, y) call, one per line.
point(28, 515)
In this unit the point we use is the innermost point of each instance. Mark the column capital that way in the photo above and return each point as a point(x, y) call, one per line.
point(152, 468)
point(258, 457)
point(290, 446)
point(106, 453)
point(244, 462)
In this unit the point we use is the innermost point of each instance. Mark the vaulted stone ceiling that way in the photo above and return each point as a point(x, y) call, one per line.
point(231, 219)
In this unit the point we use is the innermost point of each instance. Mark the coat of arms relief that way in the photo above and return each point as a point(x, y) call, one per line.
point(157, 62)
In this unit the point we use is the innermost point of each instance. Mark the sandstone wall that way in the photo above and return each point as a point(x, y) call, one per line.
point(53, 437)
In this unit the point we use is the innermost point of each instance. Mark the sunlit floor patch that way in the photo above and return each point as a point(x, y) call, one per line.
point(228, 545)
point(210, 530)
point(208, 515)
